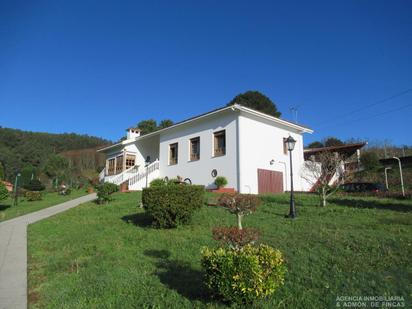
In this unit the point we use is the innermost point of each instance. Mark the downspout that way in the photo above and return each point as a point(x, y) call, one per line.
point(238, 149)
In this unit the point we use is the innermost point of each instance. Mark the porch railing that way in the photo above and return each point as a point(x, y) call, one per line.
point(146, 171)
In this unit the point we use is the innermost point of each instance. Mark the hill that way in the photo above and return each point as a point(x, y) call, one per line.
point(19, 149)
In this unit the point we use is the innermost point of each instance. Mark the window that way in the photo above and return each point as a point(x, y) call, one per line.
point(130, 161)
point(195, 149)
point(110, 167)
point(173, 150)
point(219, 143)
point(285, 147)
point(119, 164)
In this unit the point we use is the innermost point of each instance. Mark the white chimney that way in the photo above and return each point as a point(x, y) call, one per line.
point(132, 133)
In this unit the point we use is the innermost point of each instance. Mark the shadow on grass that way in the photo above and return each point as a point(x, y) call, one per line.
point(371, 204)
point(140, 219)
point(4, 207)
point(180, 276)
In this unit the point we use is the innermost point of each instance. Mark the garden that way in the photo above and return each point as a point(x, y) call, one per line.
point(32, 199)
point(116, 254)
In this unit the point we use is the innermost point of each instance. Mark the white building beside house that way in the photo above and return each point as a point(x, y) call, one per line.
point(243, 145)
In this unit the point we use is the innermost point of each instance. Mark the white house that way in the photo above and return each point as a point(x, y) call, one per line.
point(243, 145)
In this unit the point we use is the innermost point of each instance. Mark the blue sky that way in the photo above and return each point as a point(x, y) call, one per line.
point(97, 67)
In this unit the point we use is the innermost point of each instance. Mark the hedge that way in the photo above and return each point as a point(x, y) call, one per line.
point(170, 206)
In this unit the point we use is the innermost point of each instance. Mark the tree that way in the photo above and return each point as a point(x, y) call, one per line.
point(320, 170)
point(315, 144)
point(370, 161)
point(147, 126)
point(256, 101)
point(27, 174)
point(57, 166)
point(165, 123)
point(333, 141)
point(239, 204)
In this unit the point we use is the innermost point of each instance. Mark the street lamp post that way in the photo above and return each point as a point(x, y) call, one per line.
point(400, 171)
point(386, 177)
point(16, 182)
point(290, 143)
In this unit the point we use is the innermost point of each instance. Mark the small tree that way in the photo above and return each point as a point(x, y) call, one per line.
point(239, 204)
point(321, 169)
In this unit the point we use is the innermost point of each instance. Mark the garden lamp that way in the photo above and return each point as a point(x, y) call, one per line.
point(290, 144)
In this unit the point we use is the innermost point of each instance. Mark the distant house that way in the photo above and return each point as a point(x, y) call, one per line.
point(349, 163)
point(242, 144)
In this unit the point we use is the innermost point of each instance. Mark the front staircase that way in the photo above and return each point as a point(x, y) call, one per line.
point(136, 178)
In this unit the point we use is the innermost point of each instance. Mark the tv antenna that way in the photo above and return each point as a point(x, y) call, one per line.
point(294, 111)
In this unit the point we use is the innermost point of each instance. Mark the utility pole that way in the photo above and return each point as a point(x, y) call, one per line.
point(400, 171)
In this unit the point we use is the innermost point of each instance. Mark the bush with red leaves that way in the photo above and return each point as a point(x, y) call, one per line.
point(239, 204)
point(234, 237)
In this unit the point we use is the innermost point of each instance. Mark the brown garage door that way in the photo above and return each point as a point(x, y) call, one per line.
point(270, 181)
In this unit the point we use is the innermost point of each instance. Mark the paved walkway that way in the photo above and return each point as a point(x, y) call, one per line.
point(13, 253)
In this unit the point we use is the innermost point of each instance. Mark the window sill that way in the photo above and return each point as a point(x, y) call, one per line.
point(218, 155)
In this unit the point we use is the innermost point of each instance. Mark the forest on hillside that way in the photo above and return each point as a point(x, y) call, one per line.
point(37, 153)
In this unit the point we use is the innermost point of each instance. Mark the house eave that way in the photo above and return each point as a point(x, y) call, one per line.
point(234, 108)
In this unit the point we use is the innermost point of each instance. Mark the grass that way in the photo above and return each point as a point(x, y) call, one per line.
point(8, 211)
point(96, 256)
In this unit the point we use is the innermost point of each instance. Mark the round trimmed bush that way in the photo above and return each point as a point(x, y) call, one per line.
point(172, 205)
point(244, 275)
point(32, 196)
point(220, 182)
point(105, 191)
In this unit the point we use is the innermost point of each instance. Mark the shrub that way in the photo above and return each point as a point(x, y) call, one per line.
point(243, 276)
point(105, 191)
point(235, 238)
point(34, 185)
point(65, 191)
point(220, 182)
point(170, 206)
point(158, 182)
point(3, 191)
point(33, 196)
point(239, 204)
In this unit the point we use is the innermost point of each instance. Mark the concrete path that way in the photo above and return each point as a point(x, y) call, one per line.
point(13, 253)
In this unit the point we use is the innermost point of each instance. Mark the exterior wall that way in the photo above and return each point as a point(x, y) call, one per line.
point(200, 171)
point(260, 142)
point(147, 147)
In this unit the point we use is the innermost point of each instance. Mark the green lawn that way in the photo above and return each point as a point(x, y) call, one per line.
point(8, 211)
point(108, 256)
